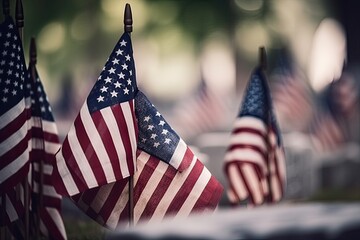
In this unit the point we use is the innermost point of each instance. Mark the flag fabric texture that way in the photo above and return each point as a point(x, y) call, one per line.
point(14, 134)
point(44, 145)
point(254, 162)
point(100, 147)
point(170, 180)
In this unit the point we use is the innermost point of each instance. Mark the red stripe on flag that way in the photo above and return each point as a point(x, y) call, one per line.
point(143, 179)
point(210, 196)
point(186, 188)
point(159, 192)
point(15, 152)
point(248, 146)
point(52, 226)
point(112, 199)
point(13, 126)
point(46, 136)
point(72, 164)
point(108, 143)
point(89, 151)
point(124, 132)
point(248, 130)
point(59, 184)
point(187, 159)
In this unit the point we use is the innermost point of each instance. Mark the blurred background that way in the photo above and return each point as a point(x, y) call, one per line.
point(193, 60)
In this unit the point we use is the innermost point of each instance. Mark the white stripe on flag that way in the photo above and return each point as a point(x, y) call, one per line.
point(250, 122)
point(253, 183)
point(101, 196)
point(195, 193)
point(248, 139)
point(49, 127)
point(98, 146)
point(10, 210)
point(248, 155)
point(178, 155)
point(14, 166)
point(48, 190)
point(128, 115)
point(237, 182)
point(13, 140)
point(47, 168)
point(66, 177)
point(51, 147)
point(171, 192)
point(12, 113)
point(113, 127)
point(113, 219)
point(57, 218)
point(81, 160)
point(150, 187)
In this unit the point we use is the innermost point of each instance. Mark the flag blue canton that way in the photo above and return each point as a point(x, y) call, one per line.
point(258, 103)
point(40, 106)
point(117, 81)
point(156, 137)
point(12, 64)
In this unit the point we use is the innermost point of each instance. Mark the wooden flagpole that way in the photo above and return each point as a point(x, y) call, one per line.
point(128, 21)
point(3, 230)
point(263, 67)
point(38, 204)
point(19, 17)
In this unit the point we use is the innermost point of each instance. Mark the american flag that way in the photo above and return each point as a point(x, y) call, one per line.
point(14, 137)
point(293, 97)
point(205, 111)
point(170, 180)
point(100, 147)
point(255, 158)
point(45, 143)
point(326, 133)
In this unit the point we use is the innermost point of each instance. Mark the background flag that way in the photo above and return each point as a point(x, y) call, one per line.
point(45, 143)
point(255, 158)
point(206, 110)
point(170, 180)
point(293, 98)
point(100, 147)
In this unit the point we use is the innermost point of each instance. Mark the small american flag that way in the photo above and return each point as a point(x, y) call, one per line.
point(170, 180)
point(255, 158)
point(45, 143)
point(14, 111)
point(100, 147)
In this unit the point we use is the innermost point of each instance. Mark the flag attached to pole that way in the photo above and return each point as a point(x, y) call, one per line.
point(45, 143)
point(170, 180)
point(100, 147)
point(254, 161)
point(14, 112)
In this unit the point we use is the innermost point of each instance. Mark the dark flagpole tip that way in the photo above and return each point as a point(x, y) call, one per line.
point(262, 58)
point(19, 14)
point(128, 21)
point(33, 51)
point(6, 7)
